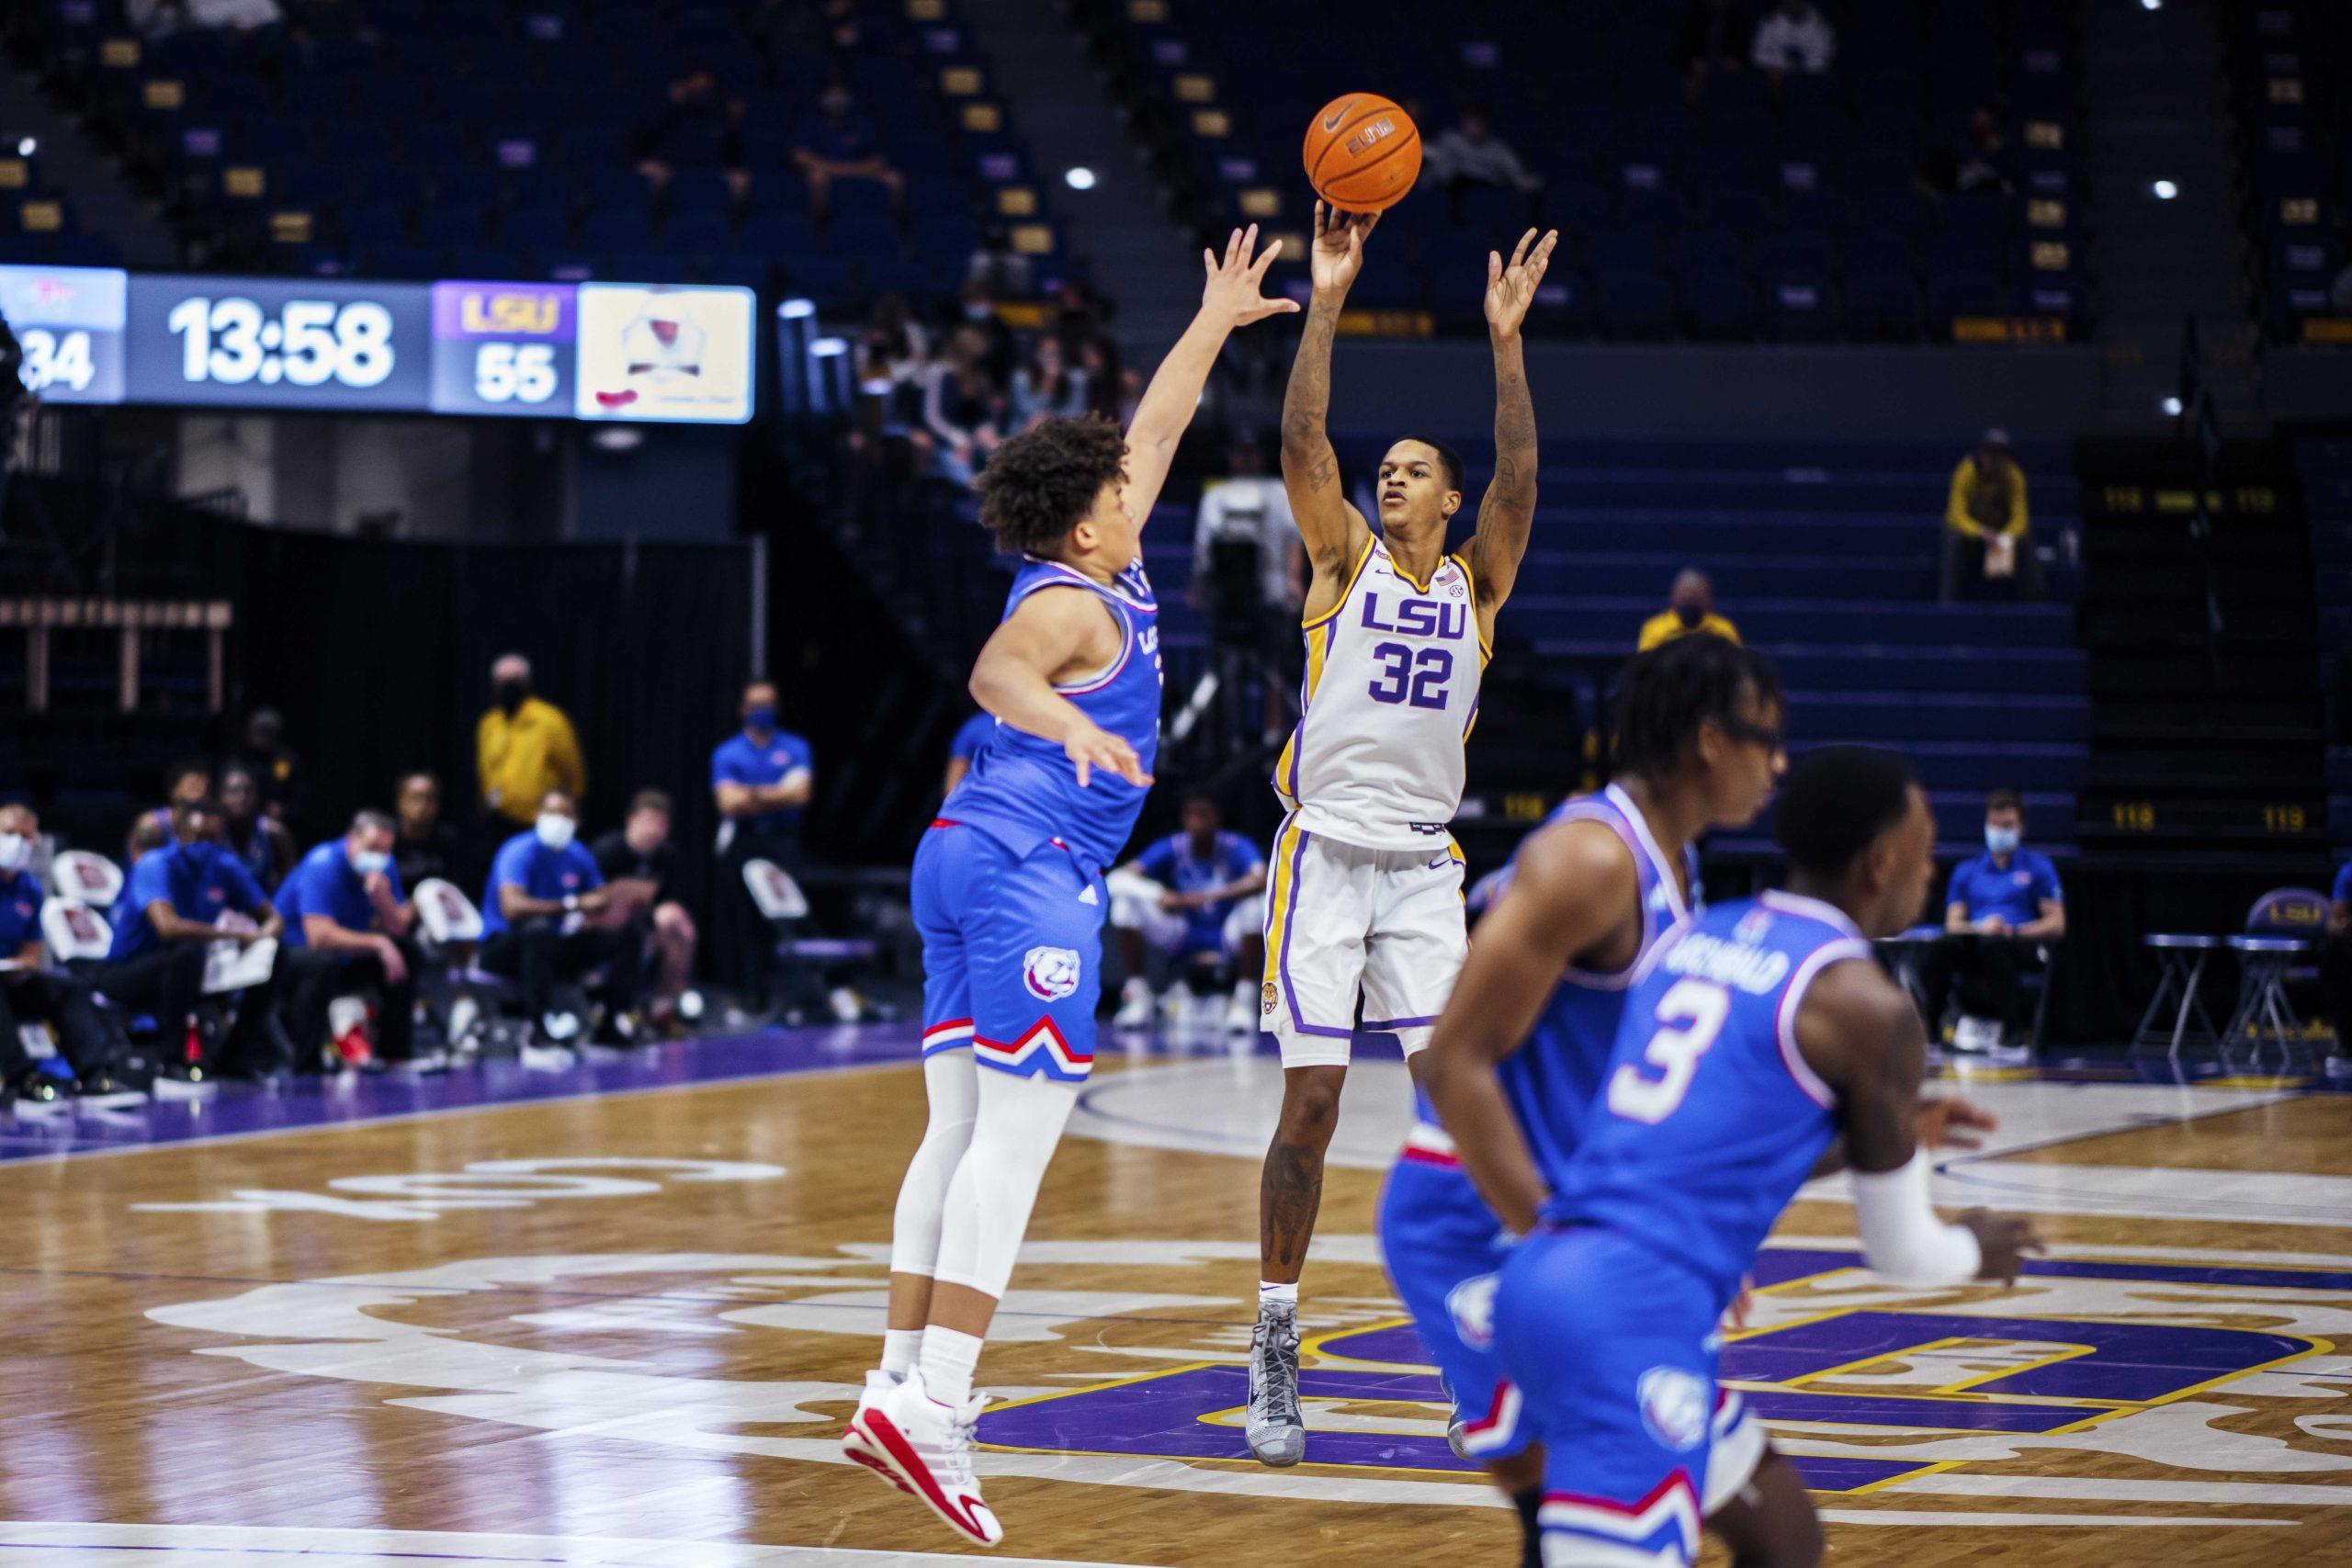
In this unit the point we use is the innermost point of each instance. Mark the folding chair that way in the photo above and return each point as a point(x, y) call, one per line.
point(85, 876)
point(2181, 958)
point(469, 1002)
point(783, 904)
point(2284, 924)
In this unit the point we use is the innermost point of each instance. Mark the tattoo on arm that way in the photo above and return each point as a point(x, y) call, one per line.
point(1507, 513)
point(1306, 448)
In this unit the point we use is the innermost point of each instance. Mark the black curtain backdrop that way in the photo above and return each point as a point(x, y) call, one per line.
point(378, 654)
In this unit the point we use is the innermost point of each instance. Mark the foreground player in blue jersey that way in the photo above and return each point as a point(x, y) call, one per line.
point(1754, 1037)
point(1008, 890)
point(1697, 746)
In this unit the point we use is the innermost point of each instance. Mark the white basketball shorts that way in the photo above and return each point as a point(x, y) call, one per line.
point(1342, 921)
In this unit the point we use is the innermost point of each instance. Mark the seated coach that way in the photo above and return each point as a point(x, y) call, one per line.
point(347, 926)
point(546, 916)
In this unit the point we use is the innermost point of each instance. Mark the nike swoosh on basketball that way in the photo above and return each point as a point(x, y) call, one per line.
point(1331, 121)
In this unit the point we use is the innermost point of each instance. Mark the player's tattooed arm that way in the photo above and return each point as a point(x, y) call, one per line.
point(1507, 514)
point(1331, 529)
point(1573, 883)
point(1229, 298)
point(1055, 634)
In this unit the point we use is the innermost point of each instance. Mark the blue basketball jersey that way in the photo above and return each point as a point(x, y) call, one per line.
point(1553, 1077)
point(1710, 1119)
point(1022, 791)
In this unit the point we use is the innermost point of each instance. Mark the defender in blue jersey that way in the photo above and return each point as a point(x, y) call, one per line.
point(1752, 1037)
point(1008, 890)
point(1696, 747)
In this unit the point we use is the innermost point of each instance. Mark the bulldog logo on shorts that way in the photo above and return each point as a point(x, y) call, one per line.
point(1471, 1305)
point(1675, 1407)
point(1050, 973)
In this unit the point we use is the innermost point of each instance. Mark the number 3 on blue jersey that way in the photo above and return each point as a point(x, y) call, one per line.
point(1690, 1016)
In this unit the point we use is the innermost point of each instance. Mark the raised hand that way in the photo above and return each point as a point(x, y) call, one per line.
point(1510, 287)
point(1232, 285)
point(1091, 746)
point(1338, 255)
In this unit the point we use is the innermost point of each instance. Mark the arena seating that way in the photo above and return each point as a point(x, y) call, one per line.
point(38, 221)
point(1737, 211)
point(2325, 466)
point(2294, 129)
point(1826, 559)
point(500, 141)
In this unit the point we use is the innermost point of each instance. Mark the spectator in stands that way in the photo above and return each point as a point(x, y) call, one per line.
point(188, 779)
point(972, 738)
point(423, 846)
point(836, 141)
point(2009, 891)
point(1046, 387)
point(2334, 973)
point(1248, 508)
point(1106, 378)
point(962, 409)
point(1469, 153)
point(1978, 160)
point(1191, 895)
point(541, 879)
point(642, 860)
point(794, 27)
point(695, 97)
point(347, 920)
point(262, 844)
point(760, 779)
point(897, 345)
point(91, 1040)
point(264, 753)
point(1794, 36)
point(160, 18)
point(523, 747)
point(1987, 545)
point(1689, 607)
point(1716, 37)
point(177, 901)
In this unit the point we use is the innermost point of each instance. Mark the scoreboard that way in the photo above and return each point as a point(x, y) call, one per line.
point(596, 351)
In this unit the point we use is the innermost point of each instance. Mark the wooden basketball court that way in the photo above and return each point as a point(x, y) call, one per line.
point(507, 1320)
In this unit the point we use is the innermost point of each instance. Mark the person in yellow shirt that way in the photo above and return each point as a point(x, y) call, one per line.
point(1689, 607)
point(1988, 549)
point(523, 747)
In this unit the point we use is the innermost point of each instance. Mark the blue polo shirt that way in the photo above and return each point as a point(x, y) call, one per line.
point(2342, 893)
point(1172, 863)
point(198, 890)
point(20, 911)
point(973, 737)
point(741, 760)
point(2014, 894)
point(322, 882)
point(523, 862)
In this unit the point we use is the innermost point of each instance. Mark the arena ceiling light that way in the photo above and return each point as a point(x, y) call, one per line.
point(2171, 406)
point(2165, 190)
point(27, 146)
point(1079, 178)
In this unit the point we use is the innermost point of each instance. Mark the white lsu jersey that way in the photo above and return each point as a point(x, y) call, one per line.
point(1390, 696)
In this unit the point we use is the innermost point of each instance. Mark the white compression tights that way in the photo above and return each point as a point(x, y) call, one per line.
point(965, 1200)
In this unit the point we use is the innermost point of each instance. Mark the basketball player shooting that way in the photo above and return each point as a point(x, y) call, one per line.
point(1007, 890)
point(1367, 880)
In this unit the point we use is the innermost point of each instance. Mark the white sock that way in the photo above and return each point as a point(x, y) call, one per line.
point(948, 1360)
point(899, 1348)
point(1283, 1298)
point(1136, 985)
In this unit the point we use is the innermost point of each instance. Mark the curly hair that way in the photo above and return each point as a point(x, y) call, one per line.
point(1042, 483)
point(1666, 695)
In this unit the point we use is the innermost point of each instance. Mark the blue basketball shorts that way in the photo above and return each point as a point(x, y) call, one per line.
point(1012, 952)
point(1443, 1246)
point(1612, 1347)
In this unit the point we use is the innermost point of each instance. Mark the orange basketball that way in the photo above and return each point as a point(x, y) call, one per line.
point(1363, 152)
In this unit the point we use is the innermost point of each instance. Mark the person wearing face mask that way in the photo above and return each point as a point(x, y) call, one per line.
point(523, 747)
point(347, 926)
point(176, 903)
point(760, 778)
point(2009, 894)
point(188, 779)
point(547, 915)
point(1689, 607)
point(91, 1040)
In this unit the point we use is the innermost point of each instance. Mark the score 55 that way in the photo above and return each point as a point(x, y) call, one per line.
point(515, 372)
point(310, 342)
